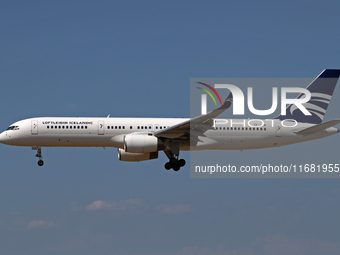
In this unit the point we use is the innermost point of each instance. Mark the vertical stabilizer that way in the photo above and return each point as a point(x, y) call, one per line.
point(321, 90)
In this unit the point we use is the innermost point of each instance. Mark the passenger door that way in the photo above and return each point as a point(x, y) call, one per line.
point(278, 129)
point(100, 127)
point(34, 127)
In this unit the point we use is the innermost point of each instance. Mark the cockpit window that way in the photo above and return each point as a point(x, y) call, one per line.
point(13, 128)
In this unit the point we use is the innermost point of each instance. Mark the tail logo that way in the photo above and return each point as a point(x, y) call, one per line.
point(312, 107)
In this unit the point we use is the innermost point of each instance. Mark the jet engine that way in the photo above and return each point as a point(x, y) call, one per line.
point(136, 157)
point(141, 143)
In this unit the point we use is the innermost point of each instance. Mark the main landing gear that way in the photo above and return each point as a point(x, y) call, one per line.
point(175, 164)
point(173, 154)
point(38, 155)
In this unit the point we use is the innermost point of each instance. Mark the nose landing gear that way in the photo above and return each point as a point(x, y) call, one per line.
point(40, 162)
point(38, 155)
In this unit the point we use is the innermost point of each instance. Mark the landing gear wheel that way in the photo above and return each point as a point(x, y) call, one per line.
point(39, 155)
point(181, 162)
point(173, 161)
point(168, 166)
point(176, 167)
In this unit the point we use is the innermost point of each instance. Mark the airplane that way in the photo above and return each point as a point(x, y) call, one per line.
point(140, 139)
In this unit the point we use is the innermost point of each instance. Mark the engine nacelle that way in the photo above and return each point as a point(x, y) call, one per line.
point(140, 143)
point(136, 157)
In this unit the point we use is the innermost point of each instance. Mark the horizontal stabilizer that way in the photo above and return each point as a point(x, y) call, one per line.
point(318, 127)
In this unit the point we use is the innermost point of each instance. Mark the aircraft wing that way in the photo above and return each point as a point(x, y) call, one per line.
point(195, 126)
point(318, 127)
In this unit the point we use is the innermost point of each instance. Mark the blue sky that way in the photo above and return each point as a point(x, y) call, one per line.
point(135, 58)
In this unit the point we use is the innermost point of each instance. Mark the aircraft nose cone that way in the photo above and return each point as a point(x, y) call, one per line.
point(3, 137)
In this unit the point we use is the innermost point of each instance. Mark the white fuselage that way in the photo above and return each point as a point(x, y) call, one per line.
point(110, 132)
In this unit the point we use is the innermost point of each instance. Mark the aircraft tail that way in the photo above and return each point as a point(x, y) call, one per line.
point(321, 90)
